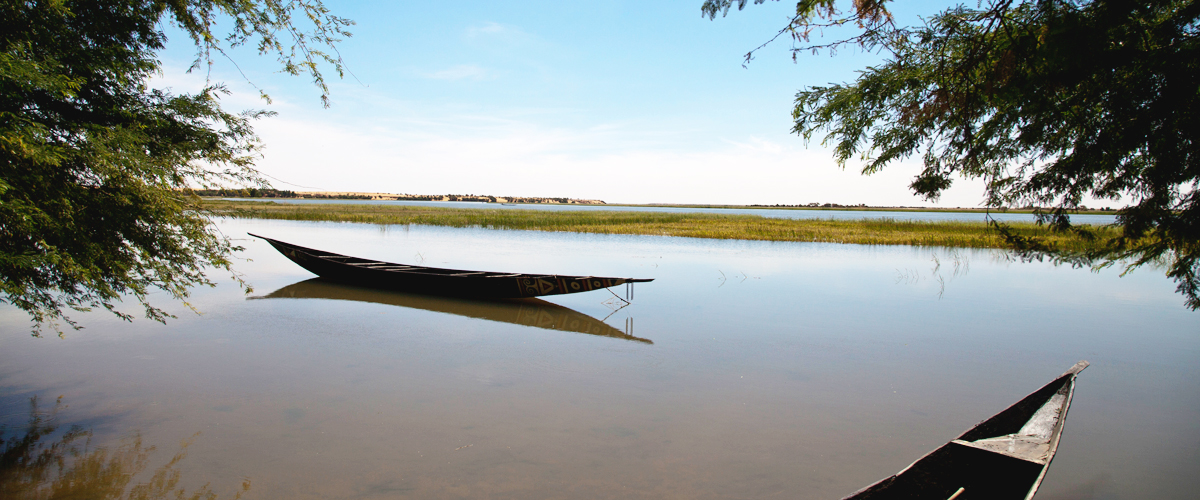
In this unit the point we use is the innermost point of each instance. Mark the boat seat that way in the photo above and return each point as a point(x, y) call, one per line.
point(1033, 441)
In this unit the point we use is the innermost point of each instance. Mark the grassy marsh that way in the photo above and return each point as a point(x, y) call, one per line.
point(963, 234)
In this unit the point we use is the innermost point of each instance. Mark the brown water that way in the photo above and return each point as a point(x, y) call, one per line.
point(746, 370)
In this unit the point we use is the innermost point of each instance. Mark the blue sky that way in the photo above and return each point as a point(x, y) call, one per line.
point(634, 102)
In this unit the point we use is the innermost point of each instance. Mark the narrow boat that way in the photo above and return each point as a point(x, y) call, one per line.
point(1004, 457)
point(437, 281)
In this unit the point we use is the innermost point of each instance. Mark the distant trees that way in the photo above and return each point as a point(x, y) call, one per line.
point(1047, 101)
point(242, 193)
point(93, 162)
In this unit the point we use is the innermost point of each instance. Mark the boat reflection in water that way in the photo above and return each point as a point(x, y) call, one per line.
point(527, 312)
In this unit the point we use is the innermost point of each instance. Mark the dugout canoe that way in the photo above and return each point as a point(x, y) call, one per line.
point(438, 281)
point(1003, 458)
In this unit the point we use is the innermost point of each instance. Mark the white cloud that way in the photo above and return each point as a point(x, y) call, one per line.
point(377, 142)
point(459, 72)
point(757, 144)
point(495, 37)
point(490, 28)
point(494, 30)
point(499, 155)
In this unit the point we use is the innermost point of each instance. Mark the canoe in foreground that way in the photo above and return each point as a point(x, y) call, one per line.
point(437, 281)
point(1005, 457)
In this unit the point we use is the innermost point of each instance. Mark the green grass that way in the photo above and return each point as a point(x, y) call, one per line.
point(692, 225)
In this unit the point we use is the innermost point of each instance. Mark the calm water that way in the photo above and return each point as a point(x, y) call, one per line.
point(1096, 219)
point(746, 370)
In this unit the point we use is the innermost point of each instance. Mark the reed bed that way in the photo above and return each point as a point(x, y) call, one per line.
point(885, 231)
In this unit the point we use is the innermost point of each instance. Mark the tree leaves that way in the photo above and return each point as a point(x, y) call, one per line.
point(94, 166)
point(273, 26)
point(1048, 101)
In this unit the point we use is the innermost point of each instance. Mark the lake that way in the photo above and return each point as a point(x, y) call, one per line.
point(777, 213)
point(745, 370)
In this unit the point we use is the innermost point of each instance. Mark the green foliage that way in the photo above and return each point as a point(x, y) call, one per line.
point(871, 16)
point(266, 24)
point(244, 193)
point(93, 162)
point(1047, 101)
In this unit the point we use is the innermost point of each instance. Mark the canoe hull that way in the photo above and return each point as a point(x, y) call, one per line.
point(438, 281)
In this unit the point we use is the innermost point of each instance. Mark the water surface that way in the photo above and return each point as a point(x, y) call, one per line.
point(745, 370)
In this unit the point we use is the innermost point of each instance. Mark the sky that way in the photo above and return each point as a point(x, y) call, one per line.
point(621, 101)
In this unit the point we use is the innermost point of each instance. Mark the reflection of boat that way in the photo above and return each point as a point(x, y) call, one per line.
point(1005, 457)
point(529, 312)
point(432, 280)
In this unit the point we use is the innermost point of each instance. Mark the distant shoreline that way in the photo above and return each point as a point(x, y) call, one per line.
point(268, 194)
point(514, 200)
point(887, 231)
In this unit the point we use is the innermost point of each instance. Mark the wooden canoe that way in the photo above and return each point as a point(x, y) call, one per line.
point(437, 281)
point(1004, 457)
point(535, 313)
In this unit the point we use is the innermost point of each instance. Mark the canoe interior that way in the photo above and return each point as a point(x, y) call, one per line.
point(981, 474)
point(379, 265)
point(1016, 416)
